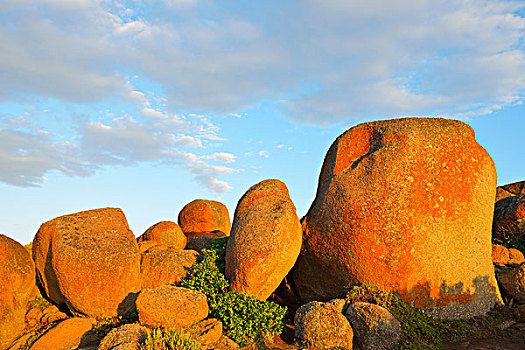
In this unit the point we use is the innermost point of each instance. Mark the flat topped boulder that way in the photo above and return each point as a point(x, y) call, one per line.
point(265, 240)
point(204, 217)
point(403, 205)
point(88, 261)
point(17, 273)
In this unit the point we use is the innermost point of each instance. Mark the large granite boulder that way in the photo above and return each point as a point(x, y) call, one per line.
point(88, 261)
point(165, 233)
point(17, 276)
point(265, 240)
point(66, 335)
point(509, 190)
point(403, 205)
point(203, 217)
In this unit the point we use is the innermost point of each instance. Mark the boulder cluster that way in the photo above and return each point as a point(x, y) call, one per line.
point(404, 206)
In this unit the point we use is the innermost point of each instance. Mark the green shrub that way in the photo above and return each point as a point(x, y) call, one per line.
point(508, 240)
point(39, 302)
point(161, 339)
point(245, 319)
point(419, 331)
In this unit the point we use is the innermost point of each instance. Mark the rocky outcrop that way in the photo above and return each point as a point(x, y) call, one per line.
point(166, 267)
point(374, 326)
point(88, 261)
point(166, 233)
point(128, 336)
point(199, 243)
point(65, 336)
point(512, 282)
point(323, 325)
point(171, 307)
point(510, 190)
point(403, 205)
point(207, 332)
point(265, 240)
point(17, 276)
point(203, 217)
point(500, 255)
point(515, 257)
point(509, 217)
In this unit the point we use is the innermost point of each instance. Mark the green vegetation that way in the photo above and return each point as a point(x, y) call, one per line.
point(39, 302)
point(161, 339)
point(508, 240)
point(245, 319)
point(418, 330)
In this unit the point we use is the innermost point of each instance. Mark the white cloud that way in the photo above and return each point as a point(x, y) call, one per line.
point(188, 141)
point(264, 154)
point(222, 157)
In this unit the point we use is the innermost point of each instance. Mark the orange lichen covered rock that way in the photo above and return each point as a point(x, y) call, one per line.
point(17, 276)
point(204, 216)
point(265, 240)
point(403, 205)
point(500, 255)
point(171, 307)
point(88, 261)
point(509, 190)
point(166, 233)
point(168, 266)
point(515, 257)
point(509, 217)
point(66, 335)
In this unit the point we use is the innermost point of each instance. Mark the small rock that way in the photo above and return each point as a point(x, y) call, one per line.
point(171, 307)
point(225, 343)
point(323, 325)
point(124, 337)
point(166, 233)
point(500, 255)
point(33, 316)
point(515, 257)
point(168, 266)
point(374, 326)
point(207, 332)
point(66, 335)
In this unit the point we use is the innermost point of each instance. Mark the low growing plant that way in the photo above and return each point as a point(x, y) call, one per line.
point(161, 339)
point(245, 320)
point(39, 302)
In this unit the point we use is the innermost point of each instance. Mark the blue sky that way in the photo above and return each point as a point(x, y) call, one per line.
point(147, 105)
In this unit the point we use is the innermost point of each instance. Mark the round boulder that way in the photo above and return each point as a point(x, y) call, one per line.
point(166, 233)
point(168, 266)
point(202, 217)
point(323, 325)
point(171, 307)
point(509, 217)
point(404, 205)
point(17, 273)
point(88, 261)
point(265, 240)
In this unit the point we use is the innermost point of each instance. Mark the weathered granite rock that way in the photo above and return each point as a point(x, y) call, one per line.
point(128, 336)
point(17, 276)
point(323, 325)
point(374, 326)
point(168, 266)
point(509, 217)
point(88, 261)
point(202, 215)
point(66, 335)
point(500, 255)
point(166, 233)
point(403, 205)
point(510, 190)
point(512, 282)
point(171, 307)
point(265, 240)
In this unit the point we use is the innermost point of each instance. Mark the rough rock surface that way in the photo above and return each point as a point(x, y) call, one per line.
point(150, 246)
point(199, 243)
point(323, 325)
point(510, 190)
point(128, 335)
point(171, 307)
point(17, 276)
point(166, 233)
point(403, 205)
point(265, 240)
point(66, 335)
point(168, 266)
point(207, 332)
point(515, 257)
point(512, 282)
point(374, 326)
point(88, 261)
point(500, 255)
point(509, 217)
point(519, 313)
point(202, 215)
